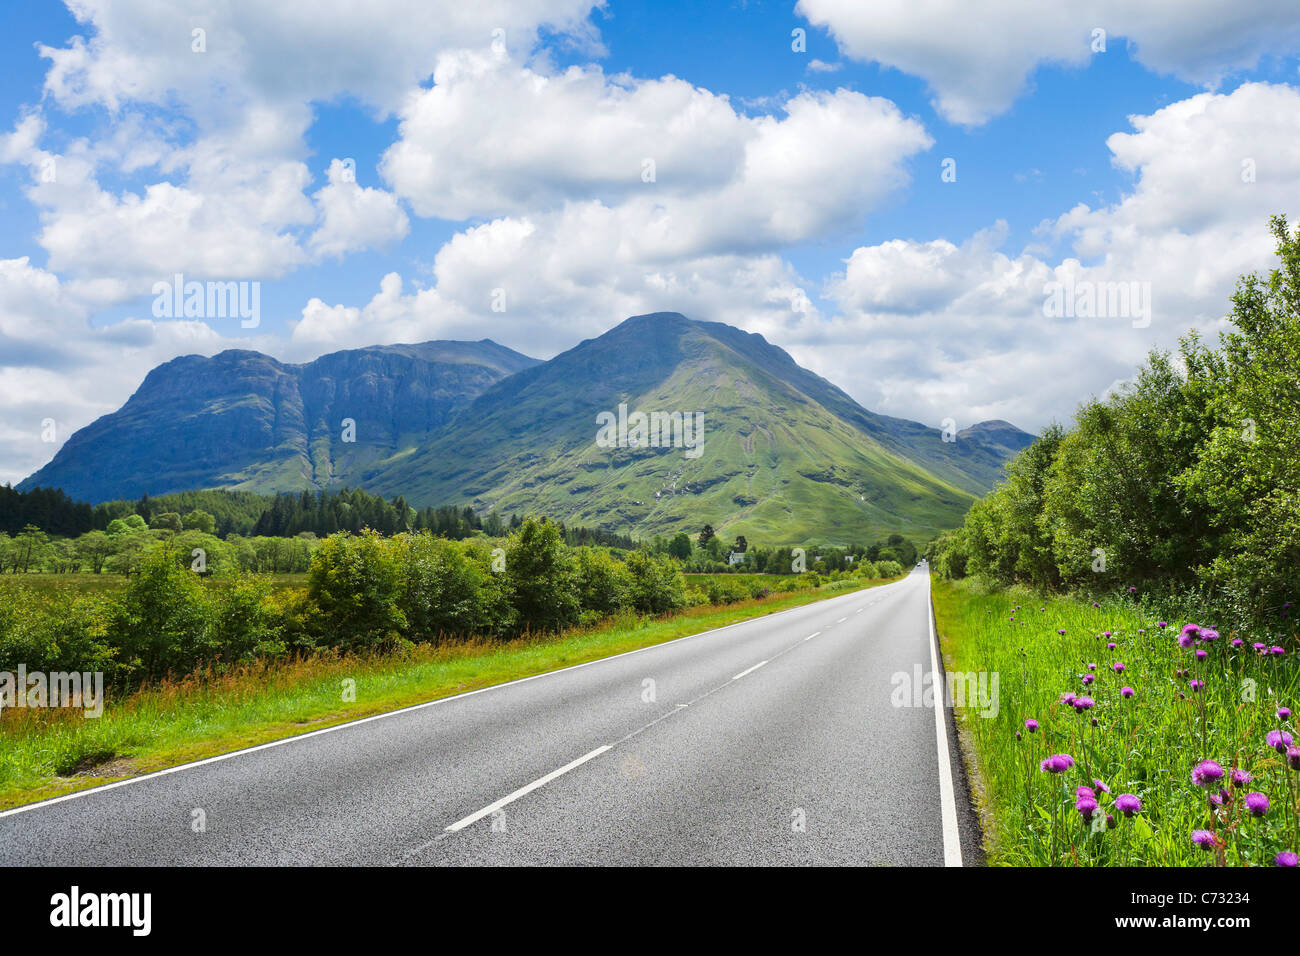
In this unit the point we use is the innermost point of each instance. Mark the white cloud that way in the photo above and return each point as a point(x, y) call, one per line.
point(977, 57)
point(354, 217)
point(935, 329)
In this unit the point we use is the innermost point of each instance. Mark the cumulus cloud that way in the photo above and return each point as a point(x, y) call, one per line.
point(494, 138)
point(353, 217)
point(978, 57)
point(936, 329)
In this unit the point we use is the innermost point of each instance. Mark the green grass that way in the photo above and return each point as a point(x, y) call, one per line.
point(1146, 745)
point(44, 753)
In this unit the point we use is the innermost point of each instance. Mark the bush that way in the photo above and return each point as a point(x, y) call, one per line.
point(448, 588)
point(163, 622)
point(604, 584)
point(355, 583)
point(542, 577)
point(657, 583)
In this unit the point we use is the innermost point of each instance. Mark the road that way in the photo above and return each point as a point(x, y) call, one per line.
point(773, 741)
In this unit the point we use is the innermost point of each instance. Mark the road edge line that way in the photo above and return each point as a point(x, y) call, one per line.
point(948, 802)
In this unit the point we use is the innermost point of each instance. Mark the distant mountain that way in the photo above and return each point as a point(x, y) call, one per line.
point(242, 420)
point(786, 455)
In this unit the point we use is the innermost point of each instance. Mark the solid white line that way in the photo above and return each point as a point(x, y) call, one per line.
point(522, 791)
point(749, 670)
point(402, 710)
point(951, 837)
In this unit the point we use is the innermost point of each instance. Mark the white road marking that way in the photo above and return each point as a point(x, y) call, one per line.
point(812, 635)
point(951, 838)
point(78, 794)
point(523, 791)
point(841, 620)
point(749, 670)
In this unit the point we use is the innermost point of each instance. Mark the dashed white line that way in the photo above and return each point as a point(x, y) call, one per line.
point(812, 635)
point(841, 620)
point(749, 670)
point(523, 791)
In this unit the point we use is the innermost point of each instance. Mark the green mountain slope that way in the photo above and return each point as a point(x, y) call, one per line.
point(786, 456)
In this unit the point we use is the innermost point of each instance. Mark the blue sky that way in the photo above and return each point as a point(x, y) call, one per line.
point(781, 173)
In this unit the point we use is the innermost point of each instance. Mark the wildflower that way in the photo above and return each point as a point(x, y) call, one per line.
point(1162, 624)
point(1099, 786)
point(1204, 839)
point(1286, 858)
point(1085, 792)
point(1088, 679)
point(1060, 630)
point(1196, 686)
point(1031, 725)
point(1237, 642)
point(1283, 713)
point(1257, 804)
point(1209, 634)
point(1128, 804)
point(1207, 774)
point(1110, 646)
point(1092, 667)
point(1057, 763)
point(1117, 667)
point(1126, 691)
point(1279, 740)
point(1277, 651)
point(1086, 806)
point(1017, 735)
point(1241, 778)
point(1293, 757)
point(1083, 703)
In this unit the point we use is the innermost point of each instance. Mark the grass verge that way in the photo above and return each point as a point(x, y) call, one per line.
point(1146, 713)
point(47, 752)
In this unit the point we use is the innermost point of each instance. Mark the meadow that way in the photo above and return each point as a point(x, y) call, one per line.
point(1123, 739)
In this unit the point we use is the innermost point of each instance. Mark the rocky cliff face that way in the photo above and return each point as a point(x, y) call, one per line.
point(241, 419)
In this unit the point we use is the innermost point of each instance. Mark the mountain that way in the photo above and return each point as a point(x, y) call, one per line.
point(786, 456)
point(243, 420)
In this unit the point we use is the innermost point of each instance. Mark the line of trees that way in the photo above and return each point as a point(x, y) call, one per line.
point(1187, 481)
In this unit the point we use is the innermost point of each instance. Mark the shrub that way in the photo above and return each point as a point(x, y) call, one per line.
point(542, 577)
point(163, 620)
point(657, 583)
point(355, 583)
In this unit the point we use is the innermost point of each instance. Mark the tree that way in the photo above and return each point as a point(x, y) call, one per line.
point(167, 521)
point(542, 576)
point(95, 547)
point(126, 524)
point(198, 520)
point(680, 546)
point(706, 533)
point(741, 545)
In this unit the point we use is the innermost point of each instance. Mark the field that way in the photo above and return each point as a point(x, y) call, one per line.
point(48, 752)
point(1179, 738)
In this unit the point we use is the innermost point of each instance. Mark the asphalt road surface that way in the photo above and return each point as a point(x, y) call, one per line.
point(774, 741)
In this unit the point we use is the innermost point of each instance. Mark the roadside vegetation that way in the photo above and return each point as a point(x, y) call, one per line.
point(224, 704)
point(1131, 583)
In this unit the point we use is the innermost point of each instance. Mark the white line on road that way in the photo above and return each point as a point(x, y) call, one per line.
point(951, 838)
point(812, 635)
point(841, 620)
point(522, 791)
point(749, 670)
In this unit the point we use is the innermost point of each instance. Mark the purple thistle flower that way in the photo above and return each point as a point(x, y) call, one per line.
point(1262, 648)
point(1088, 679)
point(1286, 858)
point(1293, 757)
point(1057, 763)
point(1086, 806)
point(1207, 774)
point(1241, 778)
point(1277, 651)
point(1237, 642)
point(1257, 804)
point(1031, 725)
point(1092, 667)
point(1117, 667)
point(1126, 691)
point(1128, 804)
point(1284, 713)
point(1099, 786)
point(1110, 646)
point(1162, 624)
point(1060, 630)
point(1209, 634)
point(1201, 655)
point(1279, 740)
point(1083, 703)
point(1204, 839)
point(1196, 686)
point(1085, 792)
